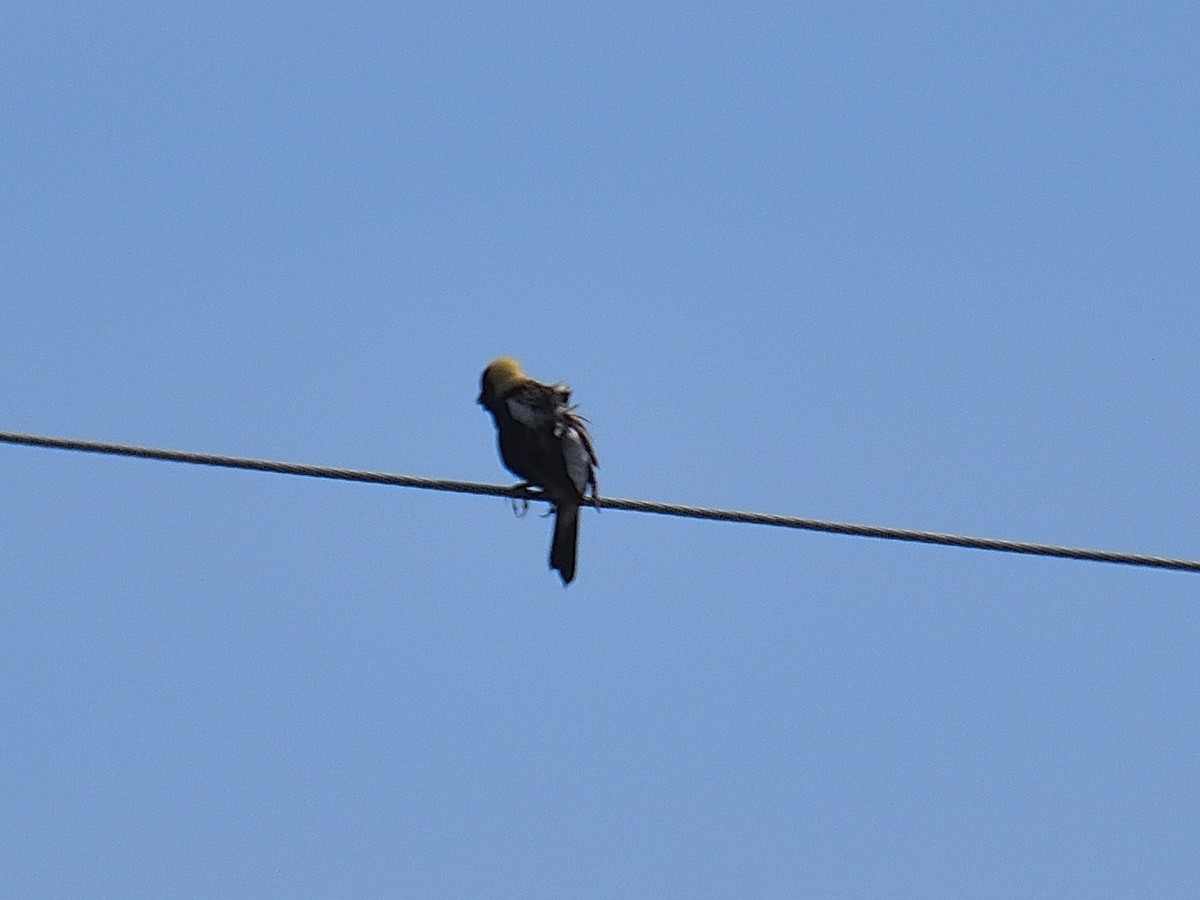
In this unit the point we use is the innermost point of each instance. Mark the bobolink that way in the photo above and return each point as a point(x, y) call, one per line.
point(543, 441)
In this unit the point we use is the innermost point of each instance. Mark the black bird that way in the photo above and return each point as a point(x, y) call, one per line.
point(543, 441)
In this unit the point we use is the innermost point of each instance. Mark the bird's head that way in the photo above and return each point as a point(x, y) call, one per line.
point(499, 378)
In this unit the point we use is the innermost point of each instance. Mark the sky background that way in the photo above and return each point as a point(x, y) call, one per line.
point(931, 265)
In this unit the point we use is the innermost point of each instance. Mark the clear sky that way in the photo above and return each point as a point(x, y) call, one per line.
point(928, 265)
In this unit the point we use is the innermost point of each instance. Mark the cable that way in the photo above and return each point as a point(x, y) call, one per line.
point(263, 465)
point(662, 509)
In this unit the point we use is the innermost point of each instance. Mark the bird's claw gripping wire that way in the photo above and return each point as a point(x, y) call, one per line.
point(520, 505)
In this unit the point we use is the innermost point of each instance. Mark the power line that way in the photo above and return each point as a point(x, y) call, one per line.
point(662, 509)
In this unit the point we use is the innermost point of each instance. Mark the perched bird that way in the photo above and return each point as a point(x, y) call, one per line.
point(545, 442)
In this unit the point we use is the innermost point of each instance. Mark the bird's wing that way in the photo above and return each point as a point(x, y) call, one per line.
point(579, 455)
point(578, 461)
point(534, 405)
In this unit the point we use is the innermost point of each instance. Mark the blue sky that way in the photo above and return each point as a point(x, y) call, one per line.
point(930, 266)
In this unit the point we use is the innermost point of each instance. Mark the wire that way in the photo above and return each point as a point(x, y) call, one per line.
point(662, 509)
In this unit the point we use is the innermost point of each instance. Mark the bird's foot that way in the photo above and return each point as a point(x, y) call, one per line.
point(520, 505)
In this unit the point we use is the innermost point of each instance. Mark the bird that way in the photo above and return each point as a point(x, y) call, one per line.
point(543, 441)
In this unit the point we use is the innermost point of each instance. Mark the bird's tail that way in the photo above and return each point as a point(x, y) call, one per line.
point(566, 539)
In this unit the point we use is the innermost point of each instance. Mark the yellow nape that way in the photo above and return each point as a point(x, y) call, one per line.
point(503, 373)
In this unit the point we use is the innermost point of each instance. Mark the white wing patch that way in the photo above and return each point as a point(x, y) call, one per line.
point(537, 405)
point(578, 460)
point(526, 412)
